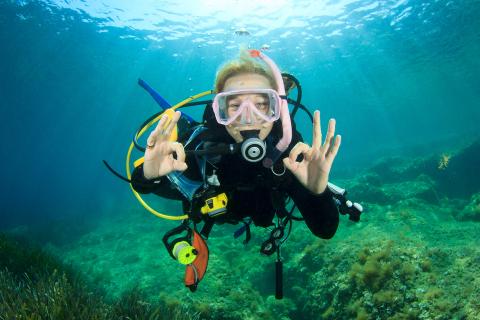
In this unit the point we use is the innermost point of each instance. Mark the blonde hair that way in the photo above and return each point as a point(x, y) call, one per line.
point(244, 64)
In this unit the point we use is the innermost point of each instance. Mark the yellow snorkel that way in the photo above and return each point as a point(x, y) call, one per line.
point(173, 137)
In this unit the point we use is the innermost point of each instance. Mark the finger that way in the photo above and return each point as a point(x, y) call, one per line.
point(317, 131)
point(330, 133)
point(172, 123)
point(152, 139)
point(299, 148)
point(179, 166)
point(334, 150)
point(179, 163)
point(177, 147)
point(289, 165)
point(158, 132)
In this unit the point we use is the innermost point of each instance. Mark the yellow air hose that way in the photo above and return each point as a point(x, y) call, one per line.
point(173, 137)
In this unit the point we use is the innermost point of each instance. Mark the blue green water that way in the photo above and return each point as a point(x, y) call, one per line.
point(395, 75)
point(401, 78)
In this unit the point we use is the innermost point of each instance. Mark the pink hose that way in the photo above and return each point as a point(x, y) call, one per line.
point(284, 142)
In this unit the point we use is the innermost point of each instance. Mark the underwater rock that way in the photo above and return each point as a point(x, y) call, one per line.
point(422, 187)
point(460, 177)
point(471, 210)
point(388, 279)
point(446, 175)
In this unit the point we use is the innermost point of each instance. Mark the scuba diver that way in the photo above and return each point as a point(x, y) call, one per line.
point(245, 163)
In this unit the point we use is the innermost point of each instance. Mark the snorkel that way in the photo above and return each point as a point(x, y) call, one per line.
point(274, 153)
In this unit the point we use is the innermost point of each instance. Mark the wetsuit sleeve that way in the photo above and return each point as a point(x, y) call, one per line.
point(319, 211)
point(161, 186)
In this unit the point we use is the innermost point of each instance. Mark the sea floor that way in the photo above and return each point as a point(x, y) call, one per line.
point(415, 254)
point(406, 261)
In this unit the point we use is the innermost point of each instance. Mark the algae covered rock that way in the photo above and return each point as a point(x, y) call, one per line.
point(452, 174)
point(471, 210)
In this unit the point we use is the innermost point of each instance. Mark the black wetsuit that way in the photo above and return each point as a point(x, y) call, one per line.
point(250, 188)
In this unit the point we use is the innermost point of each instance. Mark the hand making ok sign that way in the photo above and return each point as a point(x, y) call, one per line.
point(313, 170)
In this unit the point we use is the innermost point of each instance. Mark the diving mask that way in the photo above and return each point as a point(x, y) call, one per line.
point(276, 108)
point(247, 106)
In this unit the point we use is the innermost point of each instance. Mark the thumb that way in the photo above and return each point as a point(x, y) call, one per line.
point(180, 166)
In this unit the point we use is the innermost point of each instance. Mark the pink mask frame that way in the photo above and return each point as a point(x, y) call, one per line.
point(247, 108)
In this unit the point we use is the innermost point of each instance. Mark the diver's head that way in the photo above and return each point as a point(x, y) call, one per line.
point(250, 99)
point(247, 98)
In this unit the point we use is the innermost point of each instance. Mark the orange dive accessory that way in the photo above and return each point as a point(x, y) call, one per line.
point(187, 246)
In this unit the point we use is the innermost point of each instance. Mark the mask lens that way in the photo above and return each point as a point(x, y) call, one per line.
point(263, 103)
point(247, 106)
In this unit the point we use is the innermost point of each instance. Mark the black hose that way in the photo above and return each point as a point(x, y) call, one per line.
point(301, 106)
point(115, 172)
point(278, 279)
point(299, 92)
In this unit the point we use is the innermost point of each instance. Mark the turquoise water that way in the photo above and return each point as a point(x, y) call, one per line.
point(395, 75)
point(400, 77)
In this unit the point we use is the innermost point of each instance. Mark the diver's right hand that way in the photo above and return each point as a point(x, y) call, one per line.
point(159, 160)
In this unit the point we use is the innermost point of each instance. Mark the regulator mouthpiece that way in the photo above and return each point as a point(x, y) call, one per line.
point(253, 148)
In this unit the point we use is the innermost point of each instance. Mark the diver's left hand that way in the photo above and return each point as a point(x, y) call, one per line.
point(313, 170)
